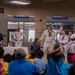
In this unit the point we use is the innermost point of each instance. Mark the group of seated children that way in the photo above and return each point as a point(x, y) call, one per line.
point(21, 64)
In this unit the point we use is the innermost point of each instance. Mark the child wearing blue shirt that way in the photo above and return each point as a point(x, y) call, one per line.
point(40, 63)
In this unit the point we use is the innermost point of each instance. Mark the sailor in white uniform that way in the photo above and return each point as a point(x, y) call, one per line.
point(72, 45)
point(18, 37)
point(69, 44)
point(63, 40)
point(49, 36)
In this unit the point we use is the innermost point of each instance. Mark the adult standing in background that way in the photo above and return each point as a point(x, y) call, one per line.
point(63, 40)
point(18, 37)
point(72, 44)
point(49, 36)
point(69, 36)
point(69, 44)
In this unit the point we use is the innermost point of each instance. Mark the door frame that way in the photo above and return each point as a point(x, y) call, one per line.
point(11, 31)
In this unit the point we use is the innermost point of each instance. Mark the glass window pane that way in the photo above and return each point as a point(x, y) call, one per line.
point(12, 25)
point(29, 25)
point(31, 35)
point(21, 23)
point(11, 22)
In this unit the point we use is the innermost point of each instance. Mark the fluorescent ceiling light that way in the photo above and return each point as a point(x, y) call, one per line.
point(20, 2)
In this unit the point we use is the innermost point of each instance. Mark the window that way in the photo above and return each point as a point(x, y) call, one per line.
point(12, 23)
point(26, 27)
point(29, 25)
point(31, 35)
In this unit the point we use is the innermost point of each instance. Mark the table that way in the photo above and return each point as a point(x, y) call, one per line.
point(10, 50)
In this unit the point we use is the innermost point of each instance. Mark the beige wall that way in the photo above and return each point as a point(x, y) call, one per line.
point(64, 7)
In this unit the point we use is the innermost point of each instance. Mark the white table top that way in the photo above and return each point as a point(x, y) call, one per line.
point(10, 50)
